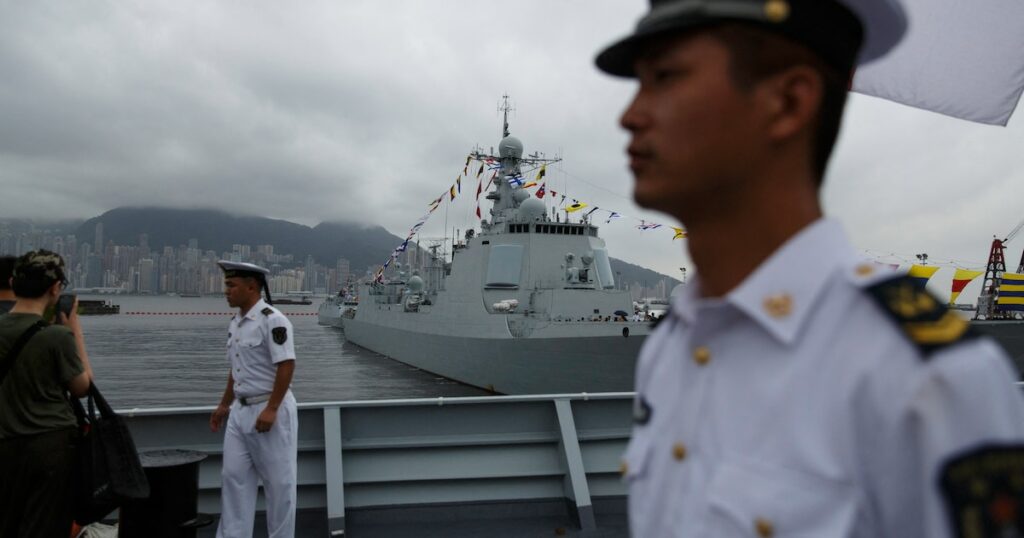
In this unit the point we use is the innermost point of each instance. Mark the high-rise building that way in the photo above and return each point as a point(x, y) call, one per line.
point(94, 272)
point(99, 236)
point(147, 276)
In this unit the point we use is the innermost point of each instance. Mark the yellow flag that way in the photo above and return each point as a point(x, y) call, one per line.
point(921, 273)
point(575, 207)
point(680, 233)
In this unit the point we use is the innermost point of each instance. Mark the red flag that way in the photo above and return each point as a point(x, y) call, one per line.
point(478, 211)
point(540, 192)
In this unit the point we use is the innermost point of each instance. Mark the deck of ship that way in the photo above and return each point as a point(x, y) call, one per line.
point(545, 465)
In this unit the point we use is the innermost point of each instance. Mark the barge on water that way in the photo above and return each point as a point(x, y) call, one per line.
point(93, 307)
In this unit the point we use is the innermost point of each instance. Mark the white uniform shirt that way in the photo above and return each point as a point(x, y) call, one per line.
point(795, 406)
point(254, 351)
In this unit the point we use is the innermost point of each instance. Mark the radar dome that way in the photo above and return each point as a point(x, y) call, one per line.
point(510, 146)
point(415, 284)
point(531, 209)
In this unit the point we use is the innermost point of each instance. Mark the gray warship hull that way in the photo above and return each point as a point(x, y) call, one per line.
point(589, 359)
point(1009, 334)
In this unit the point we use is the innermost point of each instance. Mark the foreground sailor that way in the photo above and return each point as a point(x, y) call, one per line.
point(794, 390)
point(262, 423)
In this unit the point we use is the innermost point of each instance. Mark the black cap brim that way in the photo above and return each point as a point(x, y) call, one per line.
point(833, 29)
point(618, 58)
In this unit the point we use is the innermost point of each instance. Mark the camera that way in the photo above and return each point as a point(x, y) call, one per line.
point(65, 304)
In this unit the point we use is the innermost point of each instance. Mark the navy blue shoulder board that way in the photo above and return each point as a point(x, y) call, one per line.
point(923, 318)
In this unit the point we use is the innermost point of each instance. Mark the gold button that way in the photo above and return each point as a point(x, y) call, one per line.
point(779, 305)
point(679, 451)
point(702, 355)
point(623, 468)
point(865, 269)
point(776, 10)
point(764, 528)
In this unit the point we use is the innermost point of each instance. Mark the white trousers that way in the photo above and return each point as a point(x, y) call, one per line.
point(251, 457)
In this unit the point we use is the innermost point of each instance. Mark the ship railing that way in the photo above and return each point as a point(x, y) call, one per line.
point(359, 458)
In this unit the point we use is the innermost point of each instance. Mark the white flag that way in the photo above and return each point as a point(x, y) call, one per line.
point(959, 58)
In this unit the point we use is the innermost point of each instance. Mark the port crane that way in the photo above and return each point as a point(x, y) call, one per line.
point(993, 273)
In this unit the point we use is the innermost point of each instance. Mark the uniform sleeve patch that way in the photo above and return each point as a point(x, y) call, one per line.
point(984, 492)
point(926, 321)
point(641, 411)
point(267, 311)
point(280, 335)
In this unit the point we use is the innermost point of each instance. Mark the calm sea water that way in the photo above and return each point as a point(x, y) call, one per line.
point(169, 351)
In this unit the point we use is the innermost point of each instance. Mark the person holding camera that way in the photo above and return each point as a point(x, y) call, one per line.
point(39, 364)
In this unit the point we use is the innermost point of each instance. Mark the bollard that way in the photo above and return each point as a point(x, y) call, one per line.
point(170, 511)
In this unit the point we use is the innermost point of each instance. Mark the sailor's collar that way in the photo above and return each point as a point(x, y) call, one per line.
point(780, 293)
point(256, 309)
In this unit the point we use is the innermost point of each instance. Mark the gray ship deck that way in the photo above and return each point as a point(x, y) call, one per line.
point(611, 523)
point(545, 465)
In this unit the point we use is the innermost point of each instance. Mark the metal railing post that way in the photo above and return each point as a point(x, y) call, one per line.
point(577, 489)
point(335, 477)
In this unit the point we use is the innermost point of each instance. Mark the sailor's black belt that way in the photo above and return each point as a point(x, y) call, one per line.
point(253, 400)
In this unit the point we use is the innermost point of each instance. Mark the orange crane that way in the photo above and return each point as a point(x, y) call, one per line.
point(993, 273)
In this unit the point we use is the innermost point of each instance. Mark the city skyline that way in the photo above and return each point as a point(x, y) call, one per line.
point(190, 269)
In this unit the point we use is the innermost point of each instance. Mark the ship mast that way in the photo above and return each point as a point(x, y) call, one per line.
point(507, 185)
point(505, 107)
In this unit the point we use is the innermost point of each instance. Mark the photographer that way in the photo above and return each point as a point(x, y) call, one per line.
point(37, 426)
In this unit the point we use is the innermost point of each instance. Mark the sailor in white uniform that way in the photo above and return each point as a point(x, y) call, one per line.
point(261, 436)
point(794, 390)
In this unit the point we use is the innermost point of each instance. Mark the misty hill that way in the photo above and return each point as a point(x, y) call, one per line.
point(218, 231)
point(634, 273)
point(215, 230)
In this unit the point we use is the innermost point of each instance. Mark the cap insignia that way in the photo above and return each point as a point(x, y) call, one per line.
point(776, 10)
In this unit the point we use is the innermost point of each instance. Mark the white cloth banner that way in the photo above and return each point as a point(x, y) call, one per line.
point(961, 58)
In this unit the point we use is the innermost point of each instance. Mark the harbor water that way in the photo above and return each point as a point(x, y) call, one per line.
point(170, 351)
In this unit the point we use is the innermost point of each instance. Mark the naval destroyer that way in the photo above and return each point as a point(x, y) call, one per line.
point(527, 304)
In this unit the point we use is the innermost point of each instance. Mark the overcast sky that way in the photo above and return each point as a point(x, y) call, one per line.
point(365, 111)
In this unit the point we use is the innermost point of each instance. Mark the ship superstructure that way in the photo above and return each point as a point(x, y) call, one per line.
point(527, 305)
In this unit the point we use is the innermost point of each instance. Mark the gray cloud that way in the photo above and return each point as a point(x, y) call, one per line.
point(365, 111)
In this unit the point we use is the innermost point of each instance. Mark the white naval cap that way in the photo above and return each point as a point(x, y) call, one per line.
point(232, 269)
point(844, 33)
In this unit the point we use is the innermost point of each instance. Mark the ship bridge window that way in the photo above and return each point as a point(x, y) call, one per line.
point(604, 268)
point(504, 266)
